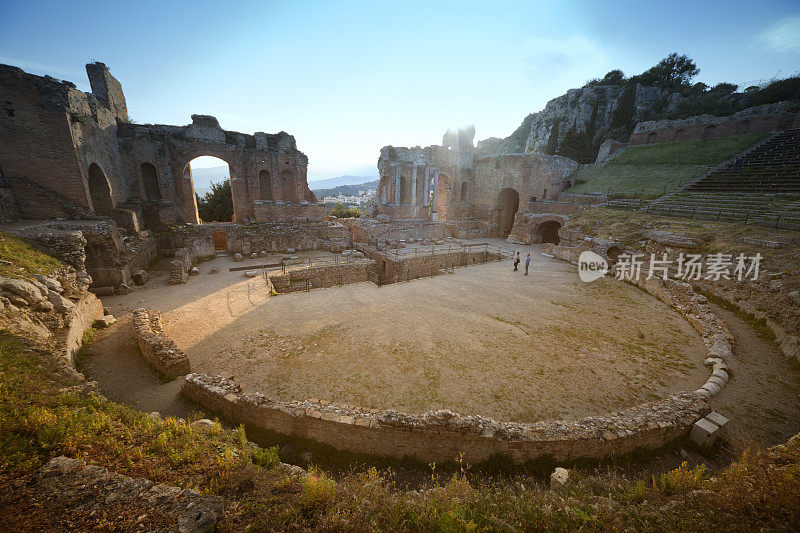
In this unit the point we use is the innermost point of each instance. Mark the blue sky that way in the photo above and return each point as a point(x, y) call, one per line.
point(346, 78)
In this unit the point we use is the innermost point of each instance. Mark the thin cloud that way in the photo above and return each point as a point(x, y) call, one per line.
point(782, 37)
point(39, 68)
point(559, 62)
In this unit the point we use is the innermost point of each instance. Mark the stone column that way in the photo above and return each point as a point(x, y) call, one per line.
point(435, 194)
point(414, 186)
point(397, 185)
point(426, 187)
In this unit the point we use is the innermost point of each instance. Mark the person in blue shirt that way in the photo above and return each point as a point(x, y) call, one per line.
point(527, 263)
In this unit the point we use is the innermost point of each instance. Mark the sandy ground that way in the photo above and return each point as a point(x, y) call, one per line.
point(763, 398)
point(484, 340)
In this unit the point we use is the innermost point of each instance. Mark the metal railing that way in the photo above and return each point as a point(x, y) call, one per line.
point(399, 254)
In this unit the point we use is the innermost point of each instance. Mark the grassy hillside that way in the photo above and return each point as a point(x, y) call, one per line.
point(20, 259)
point(654, 169)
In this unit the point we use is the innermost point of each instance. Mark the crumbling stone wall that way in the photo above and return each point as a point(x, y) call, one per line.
point(393, 268)
point(269, 237)
point(179, 267)
point(58, 141)
point(453, 183)
point(444, 435)
point(760, 119)
point(157, 349)
point(315, 277)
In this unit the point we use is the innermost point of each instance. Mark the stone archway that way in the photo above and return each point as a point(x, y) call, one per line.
point(152, 189)
point(548, 232)
point(265, 185)
point(288, 186)
point(100, 191)
point(507, 207)
point(188, 191)
point(464, 192)
point(613, 253)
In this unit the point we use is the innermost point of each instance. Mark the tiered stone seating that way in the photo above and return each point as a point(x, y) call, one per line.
point(780, 210)
point(765, 190)
point(773, 167)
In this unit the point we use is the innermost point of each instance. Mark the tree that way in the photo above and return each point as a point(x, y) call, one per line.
point(672, 71)
point(614, 77)
point(725, 88)
point(217, 205)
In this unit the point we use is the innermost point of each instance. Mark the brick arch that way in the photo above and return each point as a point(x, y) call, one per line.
point(100, 194)
point(546, 229)
point(185, 182)
point(288, 185)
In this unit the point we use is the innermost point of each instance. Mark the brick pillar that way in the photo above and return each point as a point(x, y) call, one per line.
point(414, 186)
point(397, 185)
point(435, 194)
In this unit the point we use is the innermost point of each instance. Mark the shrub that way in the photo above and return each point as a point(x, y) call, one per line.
point(342, 211)
point(265, 457)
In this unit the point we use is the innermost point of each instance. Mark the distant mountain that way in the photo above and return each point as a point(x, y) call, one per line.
point(347, 190)
point(202, 178)
point(330, 183)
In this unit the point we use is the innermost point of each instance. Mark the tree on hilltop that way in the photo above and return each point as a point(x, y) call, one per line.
point(672, 71)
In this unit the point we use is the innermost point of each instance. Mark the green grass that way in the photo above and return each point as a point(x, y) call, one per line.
point(655, 169)
point(25, 259)
point(709, 152)
point(653, 180)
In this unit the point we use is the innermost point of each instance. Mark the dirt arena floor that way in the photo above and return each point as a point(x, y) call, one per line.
point(484, 340)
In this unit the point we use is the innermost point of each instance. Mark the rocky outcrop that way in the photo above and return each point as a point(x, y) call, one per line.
point(575, 124)
point(95, 497)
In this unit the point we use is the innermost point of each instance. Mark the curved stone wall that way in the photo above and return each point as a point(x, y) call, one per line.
point(444, 435)
point(159, 351)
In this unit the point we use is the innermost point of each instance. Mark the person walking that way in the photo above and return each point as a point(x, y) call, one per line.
point(516, 260)
point(527, 263)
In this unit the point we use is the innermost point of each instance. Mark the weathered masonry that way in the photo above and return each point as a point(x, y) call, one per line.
point(451, 182)
point(66, 153)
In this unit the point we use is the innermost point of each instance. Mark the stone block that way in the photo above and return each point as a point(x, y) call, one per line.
point(250, 273)
point(704, 433)
point(237, 257)
point(105, 321)
point(194, 271)
point(140, 277)
point(717, 419)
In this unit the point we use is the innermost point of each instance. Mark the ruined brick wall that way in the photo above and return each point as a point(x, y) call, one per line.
point(302, 212)
point(107, 89)
point(465, 186)
point(157, 350)
point(35, 137)
point(761, 119)
point(315, 277)
point(269, 237)
point(394, 268)
point(179, 267)
point(62, 139)
point(268, 173)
